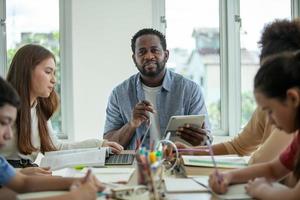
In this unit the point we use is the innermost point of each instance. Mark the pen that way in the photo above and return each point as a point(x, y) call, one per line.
point(214, 162)
point(193, 150)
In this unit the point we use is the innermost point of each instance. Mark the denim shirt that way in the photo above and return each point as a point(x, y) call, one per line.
point(7, 172)
point(178, 96)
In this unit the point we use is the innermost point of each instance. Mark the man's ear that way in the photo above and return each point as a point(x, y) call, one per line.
point(133, 58)
point(293, 94)
point(166, 55)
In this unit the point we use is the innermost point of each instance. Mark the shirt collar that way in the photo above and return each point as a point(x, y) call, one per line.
point(166, 85)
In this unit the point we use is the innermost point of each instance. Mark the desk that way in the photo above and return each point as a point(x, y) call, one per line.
point(133, 181)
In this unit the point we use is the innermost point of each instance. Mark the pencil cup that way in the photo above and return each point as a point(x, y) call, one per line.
point(150, 174)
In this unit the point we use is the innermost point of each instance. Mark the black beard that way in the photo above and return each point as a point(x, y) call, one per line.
point(159, 69)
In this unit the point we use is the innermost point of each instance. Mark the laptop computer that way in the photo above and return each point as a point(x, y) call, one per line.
point(127, 157)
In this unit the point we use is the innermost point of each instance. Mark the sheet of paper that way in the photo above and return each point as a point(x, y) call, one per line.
point(238, 192)
point(221, 161)
point(183, 185)
point(33, 195)
point(112, 174)
point(202, 180)
point(107, 175)
point(235, 192)
point(63, 159)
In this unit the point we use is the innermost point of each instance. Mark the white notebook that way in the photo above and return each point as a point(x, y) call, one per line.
point(238, 192)
point(179, 185)
point(70, 158)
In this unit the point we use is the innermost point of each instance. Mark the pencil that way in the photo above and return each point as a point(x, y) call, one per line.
point(214, 161)
point(193, 150)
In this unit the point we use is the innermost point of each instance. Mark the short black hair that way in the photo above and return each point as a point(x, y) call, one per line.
point(149, 31)
point(8, 94)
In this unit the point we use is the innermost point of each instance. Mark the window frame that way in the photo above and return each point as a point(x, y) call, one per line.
point(3, 48)
point(230, 59)
point(65, 44)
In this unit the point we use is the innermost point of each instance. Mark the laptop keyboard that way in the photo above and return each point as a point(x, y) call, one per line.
point(120, 159)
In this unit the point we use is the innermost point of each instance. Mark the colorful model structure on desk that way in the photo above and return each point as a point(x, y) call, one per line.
point(150, 171)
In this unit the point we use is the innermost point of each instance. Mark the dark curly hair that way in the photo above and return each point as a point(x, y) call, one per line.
point(279, 36)
point(149, 31)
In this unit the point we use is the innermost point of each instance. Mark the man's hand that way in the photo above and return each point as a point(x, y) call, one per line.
point(140, 113)
point(193, 134)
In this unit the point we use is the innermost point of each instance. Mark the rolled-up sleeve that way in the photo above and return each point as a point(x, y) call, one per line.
point(197, 106)
point(7, 172)
point(114, 119)
point(250, 138)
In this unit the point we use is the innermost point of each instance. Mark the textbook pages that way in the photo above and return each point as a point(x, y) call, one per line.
point(71, 158)
point(221, 161)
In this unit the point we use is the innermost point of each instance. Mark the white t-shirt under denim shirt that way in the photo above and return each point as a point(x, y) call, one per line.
point(178, 96)
point(150, 95)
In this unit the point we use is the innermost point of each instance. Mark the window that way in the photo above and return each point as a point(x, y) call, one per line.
point(193, 41)
point(35, 21)
point(214, 43)
point(251, 28)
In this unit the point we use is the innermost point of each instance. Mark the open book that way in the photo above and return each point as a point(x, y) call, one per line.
point(70, 158)
point(221, 161)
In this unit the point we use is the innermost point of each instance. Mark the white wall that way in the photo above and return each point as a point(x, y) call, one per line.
point(101, 33)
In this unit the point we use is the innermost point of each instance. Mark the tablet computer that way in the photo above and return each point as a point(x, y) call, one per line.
point(180, 120)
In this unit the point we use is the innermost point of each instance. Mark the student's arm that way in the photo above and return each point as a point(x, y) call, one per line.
point(87, 192)
point(8, 194)
point(218, 149)
point(272, 170)
point(251, 136)
point(22, 183)
point(261, 189)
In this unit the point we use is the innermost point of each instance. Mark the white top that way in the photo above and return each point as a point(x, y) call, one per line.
point(150, 95)
point(10, 150)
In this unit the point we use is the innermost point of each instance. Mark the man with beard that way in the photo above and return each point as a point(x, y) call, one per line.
point(152, 96)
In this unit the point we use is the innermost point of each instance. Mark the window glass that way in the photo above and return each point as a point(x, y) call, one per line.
point(35, 21)
point(193, 41)
point(253, 23)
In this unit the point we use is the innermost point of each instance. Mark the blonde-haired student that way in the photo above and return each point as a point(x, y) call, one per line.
point(277, 91)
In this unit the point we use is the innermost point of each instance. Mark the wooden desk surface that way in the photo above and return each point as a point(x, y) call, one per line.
point(133, 181)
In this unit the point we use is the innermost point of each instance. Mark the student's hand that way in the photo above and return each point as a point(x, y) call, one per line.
point(219, 185)
point(90, 182)
point(86, 191)
point(192, 134)
point(140, 113)
point(257, 186)
point(40, 171)
point(115, 147)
